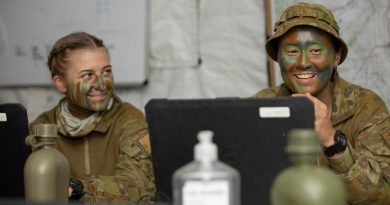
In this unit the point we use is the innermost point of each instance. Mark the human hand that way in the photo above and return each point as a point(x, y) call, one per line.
point(322, 123)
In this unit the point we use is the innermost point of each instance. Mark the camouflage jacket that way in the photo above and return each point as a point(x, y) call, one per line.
point(114, 160)
point(365, 165)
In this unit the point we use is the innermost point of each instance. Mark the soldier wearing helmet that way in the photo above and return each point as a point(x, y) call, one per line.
point(353, 123)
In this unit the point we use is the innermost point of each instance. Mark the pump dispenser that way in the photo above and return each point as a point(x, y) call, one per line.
point(46, 171)
point(206, 180)
point(205, 151)
point(305, 182)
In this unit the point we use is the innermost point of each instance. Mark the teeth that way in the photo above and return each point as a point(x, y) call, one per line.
point(305, 75)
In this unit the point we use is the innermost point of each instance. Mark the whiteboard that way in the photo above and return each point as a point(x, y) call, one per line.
point(29, 28)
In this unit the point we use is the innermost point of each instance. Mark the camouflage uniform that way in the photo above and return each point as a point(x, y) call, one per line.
point(363, 117)
point(364, 167)
point(114, 160)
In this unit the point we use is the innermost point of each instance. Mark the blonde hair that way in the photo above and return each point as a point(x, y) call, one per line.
point(58, 57)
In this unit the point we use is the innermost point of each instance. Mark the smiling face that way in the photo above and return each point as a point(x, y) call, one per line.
point(307, 57)
point(88, 79)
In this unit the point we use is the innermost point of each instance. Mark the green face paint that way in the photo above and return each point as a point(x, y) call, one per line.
point(93, 96)
point(306, 58)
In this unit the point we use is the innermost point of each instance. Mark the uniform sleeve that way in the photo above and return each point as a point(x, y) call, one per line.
point(365, 166)
point(133, 179)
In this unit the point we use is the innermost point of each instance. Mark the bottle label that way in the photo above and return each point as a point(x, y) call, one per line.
point(206, 192)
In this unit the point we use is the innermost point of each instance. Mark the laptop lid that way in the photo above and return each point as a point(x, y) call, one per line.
point(251, 135)
point(14, 152)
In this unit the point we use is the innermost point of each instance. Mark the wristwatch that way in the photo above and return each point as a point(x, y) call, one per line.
point(340, 144)
point(77, 189)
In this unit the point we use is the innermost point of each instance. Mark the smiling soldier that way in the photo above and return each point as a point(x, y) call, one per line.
point(352, 122)
point(105, 140)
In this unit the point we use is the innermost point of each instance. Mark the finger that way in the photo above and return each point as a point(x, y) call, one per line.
point(298, 94)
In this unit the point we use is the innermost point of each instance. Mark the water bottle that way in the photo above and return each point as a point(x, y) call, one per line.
point(305, 182)
point(46, 171)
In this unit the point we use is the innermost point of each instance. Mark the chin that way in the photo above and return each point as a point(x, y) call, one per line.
point(303, 90)
point(99, 106)
point(98, 109)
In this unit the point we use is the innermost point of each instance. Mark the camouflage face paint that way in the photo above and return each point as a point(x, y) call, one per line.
point(88, 81)
point(92, 95)
point(306, 58)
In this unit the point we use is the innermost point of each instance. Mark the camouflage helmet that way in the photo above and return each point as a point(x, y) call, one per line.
point(305, 14)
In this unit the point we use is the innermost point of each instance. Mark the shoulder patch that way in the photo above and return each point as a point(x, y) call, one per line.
point(144, 141)
point(143, 144)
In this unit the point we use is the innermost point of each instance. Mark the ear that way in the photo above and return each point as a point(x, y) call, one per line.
point(337, 57)
point(59, 83)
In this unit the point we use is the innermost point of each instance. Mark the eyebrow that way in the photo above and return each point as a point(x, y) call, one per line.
point(92, 70)
point(107, 66)
point(305, 43)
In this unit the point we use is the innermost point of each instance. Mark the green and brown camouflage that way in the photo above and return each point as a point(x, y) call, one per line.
point(363, 116)
point(305, 14)
point(114, 160)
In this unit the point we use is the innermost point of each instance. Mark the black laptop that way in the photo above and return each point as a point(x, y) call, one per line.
point(251, 135)
point(13, 152)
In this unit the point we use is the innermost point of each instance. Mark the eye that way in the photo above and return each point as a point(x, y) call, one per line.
point(87, 76)
point(315, 51)
point(292, 51)
point(107, 72)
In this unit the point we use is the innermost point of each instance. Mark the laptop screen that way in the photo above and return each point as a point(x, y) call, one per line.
point(251, 135)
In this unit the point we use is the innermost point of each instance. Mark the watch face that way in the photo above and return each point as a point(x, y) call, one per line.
point(341, 139)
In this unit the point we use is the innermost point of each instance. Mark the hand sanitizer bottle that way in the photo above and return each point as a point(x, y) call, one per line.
point(206, 181)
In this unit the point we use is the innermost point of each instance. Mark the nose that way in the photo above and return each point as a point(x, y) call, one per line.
point(99, 83)
point(304, 60)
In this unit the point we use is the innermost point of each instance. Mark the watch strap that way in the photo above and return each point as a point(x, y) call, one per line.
point(340, 144)
point(77, 189)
